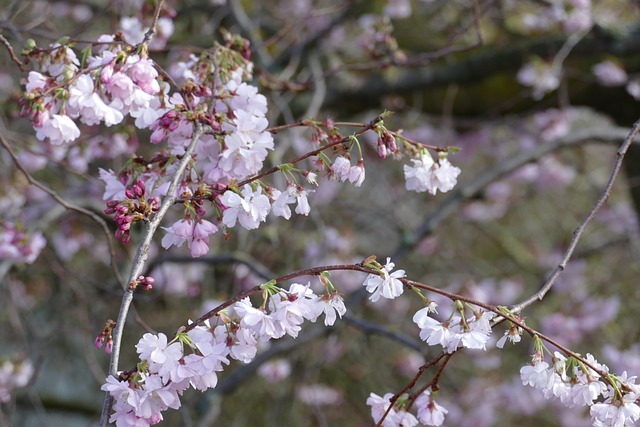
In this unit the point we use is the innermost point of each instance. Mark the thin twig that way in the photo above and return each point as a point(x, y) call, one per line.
point(12, 54)
point(69, 206)
point(154, 24)
point(578, 232)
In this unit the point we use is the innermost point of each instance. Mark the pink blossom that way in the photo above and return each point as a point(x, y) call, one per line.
point(86, 103)
point(379, 406)
point(58, 128)
point(356, 174)
point(260, 323)
point(430, 413)
point(281, 203)
point(536, 375)
point(143, 74)
point(178, 234)
point(332, 304)
point(35, 81)
point(386, 284)
point(319, 395)
point(249, 209)
point(341, 169)
point(247, 145)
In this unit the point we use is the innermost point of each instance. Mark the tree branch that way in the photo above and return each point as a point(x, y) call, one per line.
point(581, 227)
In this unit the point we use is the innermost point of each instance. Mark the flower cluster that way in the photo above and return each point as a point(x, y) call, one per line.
point(117, 83)
point(574, 383)
point(194, 358)
point(431, 176)
point(385, 284)
point(114, 84)
point(430, 413)
point(134, 207)
point(195, 233)
point(342, 171)
point(458, 331)
point(571, 15)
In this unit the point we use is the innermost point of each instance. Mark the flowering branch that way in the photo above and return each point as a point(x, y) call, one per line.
point(257, 289)
point(343, 140)
point(139, 262)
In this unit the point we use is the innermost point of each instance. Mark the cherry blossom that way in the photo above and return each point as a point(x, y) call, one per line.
point(430, 413)
point(58, 129)
point(379, 406)
point(18, 245)
point(249, 209)
point(386, 284)
point(332, 304)
point(427, 175)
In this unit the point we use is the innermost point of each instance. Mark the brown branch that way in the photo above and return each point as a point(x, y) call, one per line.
point(413, 382)
point(154, 24)
point(12, 54)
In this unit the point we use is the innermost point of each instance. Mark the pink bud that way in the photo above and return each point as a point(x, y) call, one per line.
point(206, 92)
point(390, 142)
point(137, 191)
point(382, 149)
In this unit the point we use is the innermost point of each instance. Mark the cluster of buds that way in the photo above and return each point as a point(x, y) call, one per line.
point(145, 282)
point(386, 143)
point(105, 338)
point(193, 88)
point(196, 202)
point(135, 207)
point(32, 106)
point(164, 126)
